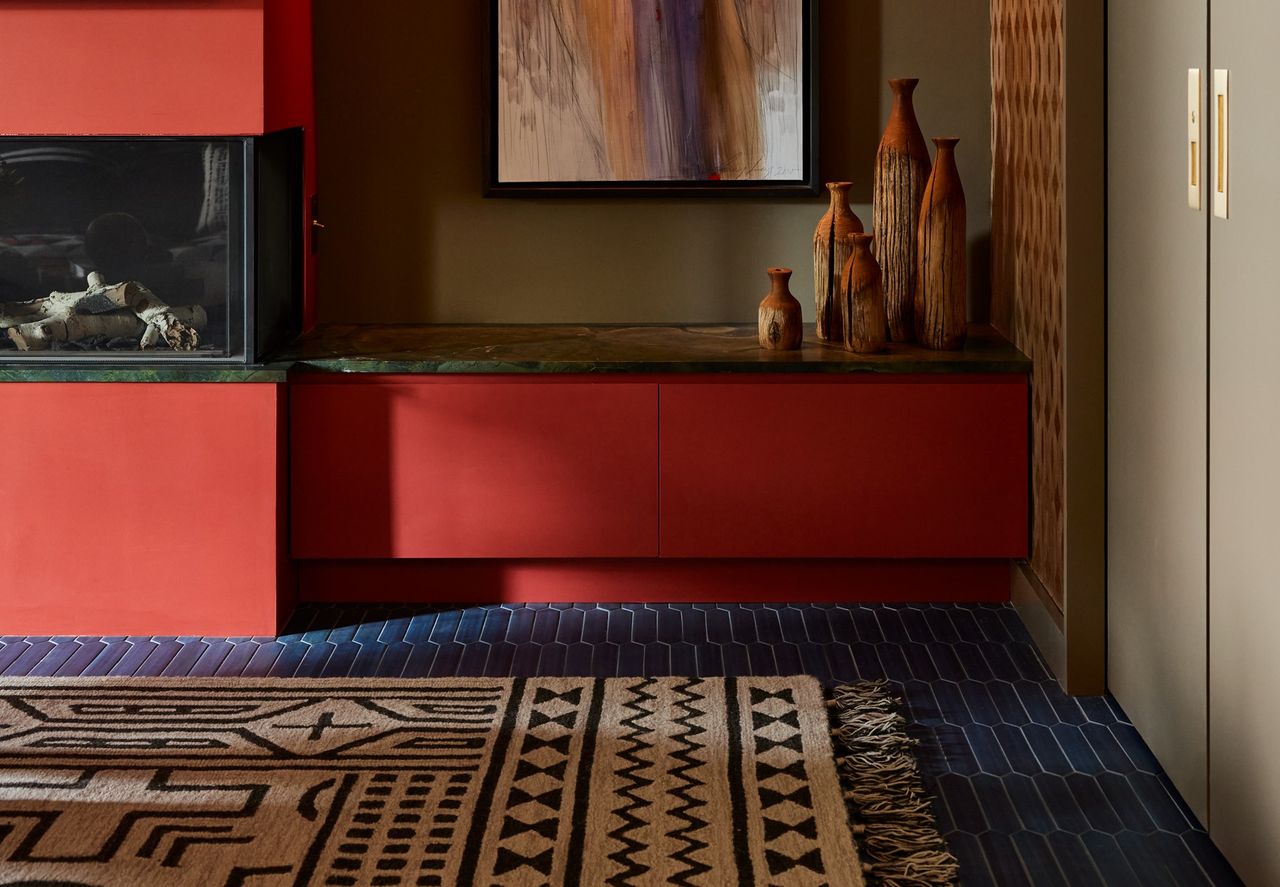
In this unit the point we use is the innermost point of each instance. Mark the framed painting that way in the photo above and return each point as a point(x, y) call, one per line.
point(652, 97)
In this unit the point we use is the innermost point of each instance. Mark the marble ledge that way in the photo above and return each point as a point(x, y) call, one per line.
point(552, 349)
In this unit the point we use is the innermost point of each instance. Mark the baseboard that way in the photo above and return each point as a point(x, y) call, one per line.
point(618, 581)
point(1042, 616)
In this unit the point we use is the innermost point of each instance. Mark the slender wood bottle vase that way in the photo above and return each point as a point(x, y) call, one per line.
point(862, 296)
point(781, 318)
point(942, 285)
point(902, 171)
point(830, 252)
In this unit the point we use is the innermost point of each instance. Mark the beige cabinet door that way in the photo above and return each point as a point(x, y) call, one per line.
point(1158, 368)
point(1244, 445)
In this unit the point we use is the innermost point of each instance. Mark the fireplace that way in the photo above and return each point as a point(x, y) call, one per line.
point(150, 249)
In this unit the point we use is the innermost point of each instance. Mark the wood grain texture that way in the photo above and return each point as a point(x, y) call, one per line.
point(831, 251)
point(862, 297)
point(941, 275)
point(902, 172)
point(1028, 44)
point(781, 318)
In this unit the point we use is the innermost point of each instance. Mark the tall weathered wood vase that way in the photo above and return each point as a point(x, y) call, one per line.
point(830, 252)
point(902, 171)
point(942, 283)
point(862, 297)
point(781, 318)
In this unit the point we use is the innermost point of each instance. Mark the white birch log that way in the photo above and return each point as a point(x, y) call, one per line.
point(153, 312)
point(42, 334)
point(97, 299)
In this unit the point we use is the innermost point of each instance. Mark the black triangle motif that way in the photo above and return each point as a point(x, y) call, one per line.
point(533, 743)
point(806, 828)
point(801, 796)
point(509, 861)
point(566, 720)
point(525, 769)
point(550, 798)
point(779, 863)
point(794, 743)
point(768, 771)
point(758, 696)
point(543, 695)
point(546, 827)
point(760, 720)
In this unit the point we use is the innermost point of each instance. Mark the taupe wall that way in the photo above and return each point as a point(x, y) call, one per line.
point(409, 238)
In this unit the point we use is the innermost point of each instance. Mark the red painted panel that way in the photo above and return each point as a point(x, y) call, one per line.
point(289, 96)
point(474, 468)
point(624, 581)
point(140, 508)
point(85, 67)
point(884, 467)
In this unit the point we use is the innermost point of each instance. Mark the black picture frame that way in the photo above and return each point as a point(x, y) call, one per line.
point(807, 186)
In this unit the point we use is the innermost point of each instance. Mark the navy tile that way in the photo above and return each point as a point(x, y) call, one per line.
point(1074, 860)
point(1061, 803)
point(1006, 865)
point(644, 626)
point(969, 852)
point(1166, 811)
point(520, 628)
point(1038, 860)
point(1093, 803)
point(1028, 804)
point(670, 625)
point(1030, 785)
point(987, 749)
point(1109, 859)
point(1210, 860)
point(1013, 742)
point(997, 808)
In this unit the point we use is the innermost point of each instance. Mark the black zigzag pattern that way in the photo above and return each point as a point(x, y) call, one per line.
point(688, 802)
point(638, 706)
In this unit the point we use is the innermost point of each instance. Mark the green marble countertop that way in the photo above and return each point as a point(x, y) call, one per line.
point(40, 371)
point(446, 349)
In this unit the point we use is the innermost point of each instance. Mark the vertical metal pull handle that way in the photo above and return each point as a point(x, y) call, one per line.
point(1194, 133)
point(1221, 143)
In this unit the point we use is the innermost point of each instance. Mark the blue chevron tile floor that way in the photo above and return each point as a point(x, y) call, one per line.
point(1031, 787)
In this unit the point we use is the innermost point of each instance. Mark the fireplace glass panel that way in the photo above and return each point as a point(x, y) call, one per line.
point(123, 249)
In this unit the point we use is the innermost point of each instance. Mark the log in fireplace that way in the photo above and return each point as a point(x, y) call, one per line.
point(150, 249)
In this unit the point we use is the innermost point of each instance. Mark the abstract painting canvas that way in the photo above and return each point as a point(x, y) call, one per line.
point(665, 95)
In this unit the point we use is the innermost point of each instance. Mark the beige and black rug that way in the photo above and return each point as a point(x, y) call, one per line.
point(540, 781)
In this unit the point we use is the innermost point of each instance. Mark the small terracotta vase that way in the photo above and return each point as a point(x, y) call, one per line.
point(781, 318)
point(830, 252)
point(942, 285)
point(902, 171)
point(862, 296)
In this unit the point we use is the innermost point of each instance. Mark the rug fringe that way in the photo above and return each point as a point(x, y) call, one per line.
point(893, 821)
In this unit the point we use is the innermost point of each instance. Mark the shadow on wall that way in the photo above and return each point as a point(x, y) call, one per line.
point(410, 239)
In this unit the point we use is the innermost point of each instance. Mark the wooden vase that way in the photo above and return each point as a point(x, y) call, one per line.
point(862, 299)
point(902, 171)
point(781, 318)
point(830, 252)
point(942, 283)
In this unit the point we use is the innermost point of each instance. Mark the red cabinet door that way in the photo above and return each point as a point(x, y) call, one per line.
point(875, 467)
point(474, 468)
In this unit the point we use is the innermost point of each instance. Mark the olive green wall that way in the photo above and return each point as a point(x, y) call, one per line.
point(410, 239)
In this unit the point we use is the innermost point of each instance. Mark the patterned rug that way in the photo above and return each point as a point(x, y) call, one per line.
point(539, 781)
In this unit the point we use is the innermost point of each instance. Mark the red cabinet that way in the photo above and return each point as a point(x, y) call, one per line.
point(856, 467)
point(143, 509)
point(467, 467)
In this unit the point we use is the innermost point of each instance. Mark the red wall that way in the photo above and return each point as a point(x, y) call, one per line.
point(114, 67)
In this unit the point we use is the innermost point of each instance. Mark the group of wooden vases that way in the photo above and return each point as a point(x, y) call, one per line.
point(907, 283)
